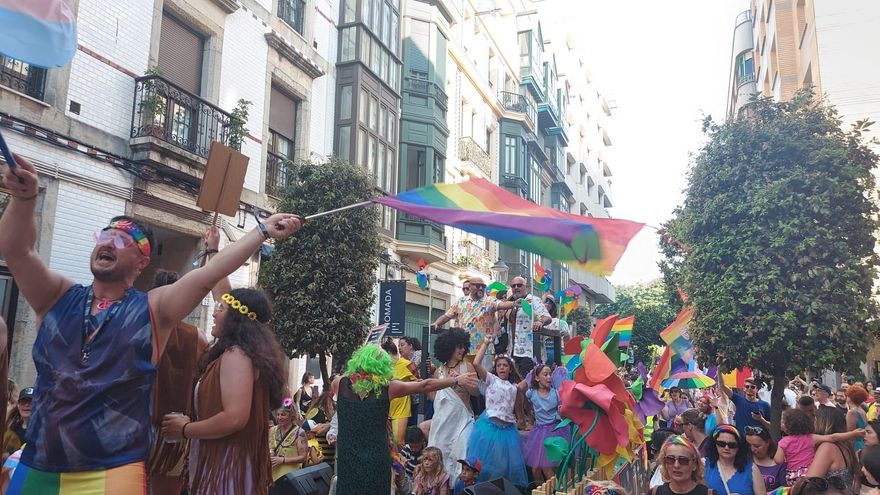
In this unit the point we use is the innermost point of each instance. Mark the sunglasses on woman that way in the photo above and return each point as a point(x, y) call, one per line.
point(754, 430)
point(729, 445)
point(681, 460)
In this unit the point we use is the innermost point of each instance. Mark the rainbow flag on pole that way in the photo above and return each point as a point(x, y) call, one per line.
point(624, 330)
point(677, 337)
point(480, 207)
point(543, 279)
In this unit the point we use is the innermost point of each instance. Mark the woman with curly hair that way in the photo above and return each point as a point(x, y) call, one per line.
point(242, 379)
point(453, 416)
point(729, 467)
point(364, 446)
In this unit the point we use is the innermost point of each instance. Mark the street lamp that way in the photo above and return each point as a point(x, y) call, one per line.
point(499, 270)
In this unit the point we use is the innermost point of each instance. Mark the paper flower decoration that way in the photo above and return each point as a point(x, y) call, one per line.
point(596, 410)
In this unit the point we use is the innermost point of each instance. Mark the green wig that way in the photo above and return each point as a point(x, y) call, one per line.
point(369, 369)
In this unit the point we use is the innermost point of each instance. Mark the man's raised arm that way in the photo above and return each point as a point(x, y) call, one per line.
point(174, 302)
point(41, 286)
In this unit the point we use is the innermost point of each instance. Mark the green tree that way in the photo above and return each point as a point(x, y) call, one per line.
point(650, 305)
point(778, 231)
point(582, 321)
point(322, 279)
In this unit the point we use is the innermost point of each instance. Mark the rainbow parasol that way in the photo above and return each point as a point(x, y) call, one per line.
point(688, 379)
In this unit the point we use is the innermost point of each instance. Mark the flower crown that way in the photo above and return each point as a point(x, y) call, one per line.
point(235, 304)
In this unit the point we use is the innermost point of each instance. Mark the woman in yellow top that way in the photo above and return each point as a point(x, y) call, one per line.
point(288, 447)
point(400, 408)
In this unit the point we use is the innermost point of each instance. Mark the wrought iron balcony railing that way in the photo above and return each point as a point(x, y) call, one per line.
point(167, 112)
point(424, 87)
point(277, 175)
point(469, 150)
point(515, 102)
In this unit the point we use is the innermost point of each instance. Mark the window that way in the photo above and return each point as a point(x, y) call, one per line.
point(366, 43)
point(343, 147)
point(22, 77)
point(386, 24)
point(291, 12)
point(365, 13)
point(389, 171)
point(347, 44)
point(510, 155)
point(364, 105)
point(180, 54)
point(488, 147)
point(348, 10)
point(374, 114)
point(345, 103)
point(390, 129)
point(395, 36)
point(281, 146)
point(362, 143)
point(535, 182)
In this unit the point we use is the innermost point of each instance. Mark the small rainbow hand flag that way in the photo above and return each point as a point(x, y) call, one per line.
point(624, 329)
point(422, 274)
point(543, 279)
point(481, 207)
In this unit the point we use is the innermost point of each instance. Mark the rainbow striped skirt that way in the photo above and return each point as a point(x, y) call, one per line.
point(130, 479)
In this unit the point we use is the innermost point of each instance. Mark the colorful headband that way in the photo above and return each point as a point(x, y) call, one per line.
point(135, 232)
point(680, 440)
point(725, 429)
point(235, 304)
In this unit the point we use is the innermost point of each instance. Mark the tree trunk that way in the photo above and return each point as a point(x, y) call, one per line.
point(325, 377)
point(777, 395)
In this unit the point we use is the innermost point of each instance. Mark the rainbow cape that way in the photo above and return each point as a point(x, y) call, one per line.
point(39, 32)
point(480, 207)
point(624, 329)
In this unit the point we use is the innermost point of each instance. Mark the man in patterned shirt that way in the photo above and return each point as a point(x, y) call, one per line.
point(476, 314)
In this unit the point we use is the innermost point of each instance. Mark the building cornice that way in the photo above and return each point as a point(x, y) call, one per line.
point(295, 55)
point(228, 6)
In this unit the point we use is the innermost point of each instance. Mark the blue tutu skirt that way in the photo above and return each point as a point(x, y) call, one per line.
point(533, 444)
point(498, 449)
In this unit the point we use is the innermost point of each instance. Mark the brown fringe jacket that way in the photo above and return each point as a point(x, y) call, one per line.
point(222, 463)
point(176, 376)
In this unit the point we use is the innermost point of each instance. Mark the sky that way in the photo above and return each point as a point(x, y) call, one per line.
point(664, 65)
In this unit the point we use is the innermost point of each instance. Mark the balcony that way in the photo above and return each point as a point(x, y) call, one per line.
point(277, 175)
point(421, 238)
point(164, 112)
point(746, 79)
point(515, 183)
point(427, 89)
point(472, 257)
point(22, 77)
point(470, 151)
point(517, 103)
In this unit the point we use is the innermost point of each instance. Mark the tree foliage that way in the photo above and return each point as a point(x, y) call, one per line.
point(777, 240)
point(651, 306)
point(581, 319)
point(322, 278)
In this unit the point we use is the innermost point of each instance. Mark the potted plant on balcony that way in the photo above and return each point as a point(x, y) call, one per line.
point(152, 105)
point(237, 129)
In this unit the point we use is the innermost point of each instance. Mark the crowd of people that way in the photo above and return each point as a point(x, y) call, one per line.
point(130, 399)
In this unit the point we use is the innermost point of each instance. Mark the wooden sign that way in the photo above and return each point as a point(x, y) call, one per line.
point(223, 180)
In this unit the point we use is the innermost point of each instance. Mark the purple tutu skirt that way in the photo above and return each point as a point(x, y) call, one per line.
point(533, 445)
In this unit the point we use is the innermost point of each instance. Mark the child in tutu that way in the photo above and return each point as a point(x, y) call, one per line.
point(431, 478)
point(495, 438)
point(545, 401)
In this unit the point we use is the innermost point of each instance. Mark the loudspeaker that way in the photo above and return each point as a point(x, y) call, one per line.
point(312, 480)
point(498, 486)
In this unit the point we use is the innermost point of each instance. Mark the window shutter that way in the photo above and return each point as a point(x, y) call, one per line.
point(282, 114)
point(180, 55)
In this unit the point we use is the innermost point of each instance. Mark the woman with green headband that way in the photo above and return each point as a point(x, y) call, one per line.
point(364, 447)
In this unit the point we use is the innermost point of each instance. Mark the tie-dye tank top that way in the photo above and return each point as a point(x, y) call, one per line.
point(92, 412)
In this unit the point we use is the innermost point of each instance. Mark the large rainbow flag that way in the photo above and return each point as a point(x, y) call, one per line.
point(677, 337)
point(624, 330)
point(480, 207)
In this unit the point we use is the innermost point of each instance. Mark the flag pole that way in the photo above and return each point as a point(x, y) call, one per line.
point(337, 210)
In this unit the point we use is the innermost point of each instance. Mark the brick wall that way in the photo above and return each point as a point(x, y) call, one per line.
point(243, 75)
point(119, 33)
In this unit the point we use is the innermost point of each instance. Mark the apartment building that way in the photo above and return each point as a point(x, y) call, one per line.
point(126, 127)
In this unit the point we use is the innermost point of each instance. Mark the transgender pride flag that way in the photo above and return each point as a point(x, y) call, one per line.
point(39, 32)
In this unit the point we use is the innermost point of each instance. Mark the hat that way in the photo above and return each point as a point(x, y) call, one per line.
point(27, 393)
point(824, 388)
point(472, 462)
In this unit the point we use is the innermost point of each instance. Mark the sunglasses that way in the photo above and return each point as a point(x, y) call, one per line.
point(478, 286)
point(119, 240)
point(465, 289)
point(754, 430)
point(729, 445)
point(681, 460)
point(517, 285)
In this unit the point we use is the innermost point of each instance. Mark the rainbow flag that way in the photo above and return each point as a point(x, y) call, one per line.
point(624, 329)
point(568, 300)
point(543, 279)
point(422, 274)
point(677, 337)
point(602, 330)
point(661, 371)
point(480, 207)
point(39, 32)
point(737, 377)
